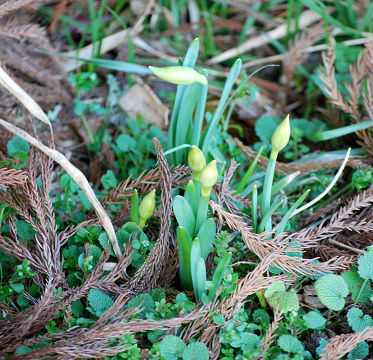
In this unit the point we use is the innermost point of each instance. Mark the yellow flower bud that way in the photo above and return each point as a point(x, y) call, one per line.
point(196, 161)
point(208, 178)
point(280, 137)
point(146, 208)
point(180, 75)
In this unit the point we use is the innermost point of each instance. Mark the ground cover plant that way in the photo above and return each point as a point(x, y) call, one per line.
point(186, 180)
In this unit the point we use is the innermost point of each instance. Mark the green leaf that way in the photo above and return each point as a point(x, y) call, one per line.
point(219, 273)
point(184, 243)
point(335, 133)
point(192, 196)
point(109, 180)
point(365, 268)
point(354, 283)
point(125, 142)
point(206, 236)
point(357, 320)
point(17, 145)
point(144, 301)
point(198, 270)
point(361, 351)
point(261, 316)
point(22, 301)
point(290, 344)
point(17, 287)
point(184, 214)
point(25, 231)
point(232, 76)
point(99, 301)
point(314, 320)
point(274, 289)
point(219, 319)
point(171, 347)
point(288, 301)
point(135, 207)
point(196, 351)
point(331, 290)
point(265, 127)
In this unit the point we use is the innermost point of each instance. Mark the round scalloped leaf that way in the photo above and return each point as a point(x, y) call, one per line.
point(99, 301)
point(196, 351)
point(288, 301)
point(331, 290)
point(365, 262)
point(361, 351)
point(290, 344)
point(171, 347)
point(314, 320)
point(357, 320)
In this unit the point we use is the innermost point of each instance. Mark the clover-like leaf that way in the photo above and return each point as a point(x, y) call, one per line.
point(361, 351)
point(331, 290)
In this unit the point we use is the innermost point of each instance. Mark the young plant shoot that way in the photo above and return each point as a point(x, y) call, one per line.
point(196, 233)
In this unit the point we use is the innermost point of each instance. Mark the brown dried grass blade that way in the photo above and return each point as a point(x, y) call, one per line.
point(76, 175)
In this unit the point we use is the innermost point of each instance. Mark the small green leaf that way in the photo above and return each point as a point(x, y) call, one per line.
point(361, 351)
point(17, 287)
point(354, 283)
point(135, 207)
point(365, 268)
point(290, 344)
point(357, 320)
point(288, 301)
point(171, 347)
point(99, 301)
point(24, 230)
point(331, 290)
point(109, 180)
point(314, 320)
point(125, 142)
point(196, 351)
point(219, 319)
point(17, 145)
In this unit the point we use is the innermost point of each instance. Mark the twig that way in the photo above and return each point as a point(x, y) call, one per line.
point(358, 251)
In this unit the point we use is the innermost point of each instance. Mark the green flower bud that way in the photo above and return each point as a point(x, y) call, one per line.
point(208, 178)
point(280, 137)
point(146, 208)
point(196, 161)
point(180, 75)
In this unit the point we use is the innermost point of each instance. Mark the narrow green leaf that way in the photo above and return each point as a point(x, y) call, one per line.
point(184, 243)
point(206, 236)
point(233, 74)
point(135, 207)
point(336, 133)
point(192, 196)
point(286, 217)
point(268, 214)
point(218, 273)
point(249, 172)
point(254, 208)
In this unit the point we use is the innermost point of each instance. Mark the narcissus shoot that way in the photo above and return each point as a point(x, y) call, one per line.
point(180, 75)
point(146, 208)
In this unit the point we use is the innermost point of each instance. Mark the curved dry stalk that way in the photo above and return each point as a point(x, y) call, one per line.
point(76, 175)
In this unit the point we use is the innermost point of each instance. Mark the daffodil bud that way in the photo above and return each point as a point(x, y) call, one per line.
point(146, 208)
point(180, 75)
point(208, 178)
point(280, 137)
point(196, 161)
